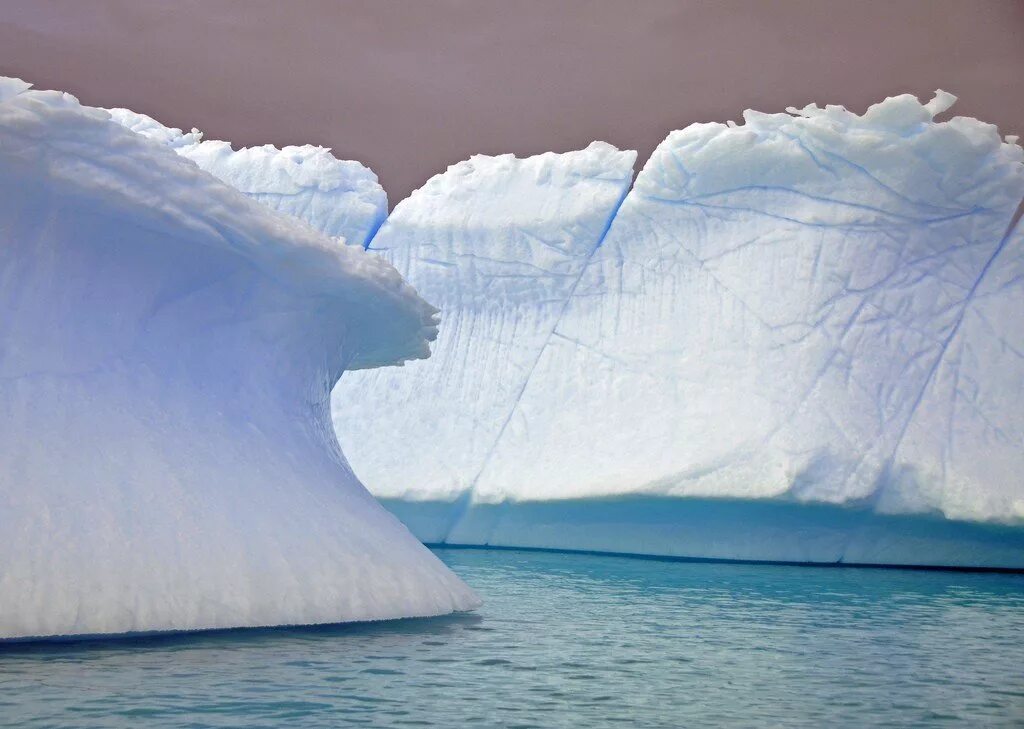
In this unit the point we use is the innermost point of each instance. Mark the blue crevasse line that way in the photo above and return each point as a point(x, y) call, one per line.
point(373, 233)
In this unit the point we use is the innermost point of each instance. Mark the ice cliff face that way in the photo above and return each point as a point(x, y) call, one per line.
point(961, 450)
point(167, 348)
point(340, 198)
point(498, 244)
point(811, 308)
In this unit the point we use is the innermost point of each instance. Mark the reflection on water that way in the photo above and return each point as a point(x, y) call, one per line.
point(575, 640)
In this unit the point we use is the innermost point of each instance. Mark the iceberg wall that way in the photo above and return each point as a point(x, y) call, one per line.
point(767, 309)
point(964, 446)
point(167, 350)
point(799, 340)
point(498, 244)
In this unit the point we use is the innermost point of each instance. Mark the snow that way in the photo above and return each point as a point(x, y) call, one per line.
point(815, 310)
point(340, 198)
point(167, 348)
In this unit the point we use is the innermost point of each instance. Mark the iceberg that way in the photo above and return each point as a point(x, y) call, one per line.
point(340, 198)
point(498, 244)
point(167, 351)
point(795, 339)
point(798, 339)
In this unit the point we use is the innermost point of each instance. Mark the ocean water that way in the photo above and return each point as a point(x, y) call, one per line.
point(573, 640)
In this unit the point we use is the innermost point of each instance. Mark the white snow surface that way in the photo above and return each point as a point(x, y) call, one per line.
point(341, 198)
point(811, 307)
point(167, 348)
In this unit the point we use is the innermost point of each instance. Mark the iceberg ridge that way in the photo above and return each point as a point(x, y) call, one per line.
point(340, 198)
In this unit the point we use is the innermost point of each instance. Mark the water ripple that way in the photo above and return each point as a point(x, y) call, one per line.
point(575, 640)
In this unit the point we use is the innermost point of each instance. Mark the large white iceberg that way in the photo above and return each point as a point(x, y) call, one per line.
point(167, 350)
point(799, 340)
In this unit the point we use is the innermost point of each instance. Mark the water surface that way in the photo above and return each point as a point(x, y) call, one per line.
point(570, 640)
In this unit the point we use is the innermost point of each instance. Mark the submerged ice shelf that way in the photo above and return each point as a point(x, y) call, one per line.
point(167, 349)
point(807, 330)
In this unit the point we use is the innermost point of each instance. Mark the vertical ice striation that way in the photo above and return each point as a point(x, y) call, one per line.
point(167, 349)
point(340, 198)
point(498, 244)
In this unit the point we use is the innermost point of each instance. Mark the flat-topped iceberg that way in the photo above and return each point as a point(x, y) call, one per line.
point(167, 350)
point(799, 339)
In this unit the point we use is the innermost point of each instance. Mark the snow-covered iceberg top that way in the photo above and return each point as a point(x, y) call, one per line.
point(810, 308)
point(341, 198)
point(167, 349)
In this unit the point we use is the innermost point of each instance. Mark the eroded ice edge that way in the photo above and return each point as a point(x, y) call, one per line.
point(167, 350)
point(799, 339)
point(340, 198)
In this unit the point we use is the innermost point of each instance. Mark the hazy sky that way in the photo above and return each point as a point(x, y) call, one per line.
point(410, 87)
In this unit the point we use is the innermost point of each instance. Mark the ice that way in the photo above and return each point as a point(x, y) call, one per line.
point(963, 446)
point(796, 339)
point(810, 319)
point(767, 309)
point(167, 348)
point(341, 198)
point(497, 243)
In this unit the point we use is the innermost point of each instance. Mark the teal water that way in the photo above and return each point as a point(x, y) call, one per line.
point(570, 640)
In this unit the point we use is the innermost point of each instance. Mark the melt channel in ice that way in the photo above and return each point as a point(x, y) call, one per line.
point(800, 339)
point(167, 350)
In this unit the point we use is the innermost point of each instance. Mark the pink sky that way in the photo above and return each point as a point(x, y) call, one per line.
point(410, 87)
